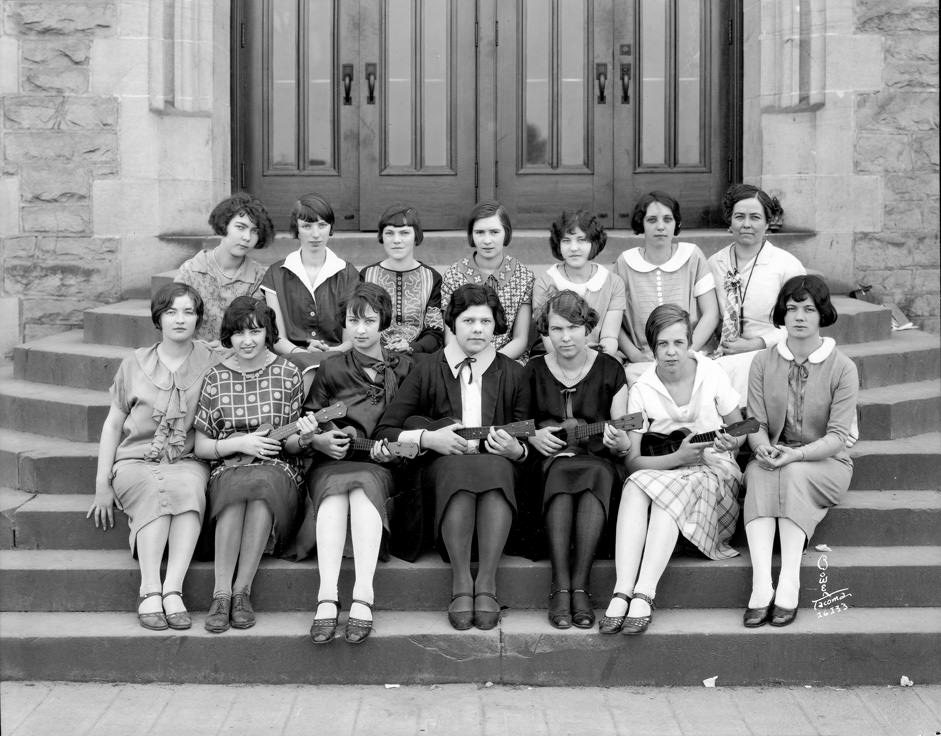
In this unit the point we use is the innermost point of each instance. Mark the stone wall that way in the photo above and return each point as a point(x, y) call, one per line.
point(897, 140)
point(114, 128)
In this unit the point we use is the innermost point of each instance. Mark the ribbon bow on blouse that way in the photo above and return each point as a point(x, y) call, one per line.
point(470, 371)
point(384, 369)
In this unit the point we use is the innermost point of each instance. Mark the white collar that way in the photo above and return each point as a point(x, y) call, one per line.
point(650, 377)
point(634, 258)
point(817, 356)
point(557, 274)
point(332, 265)
point(482, 361)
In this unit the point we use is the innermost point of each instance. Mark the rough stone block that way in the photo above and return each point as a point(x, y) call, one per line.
point(925, 153)
point(883, 152)
point(10, 324)
point(56, 218)
point(915, 185)
point(9, 206)
point(904, 215)
point(924, 248)
point(926, 279)
point(72, 147)
point(893, 110)
point(882, 250)
point(932, 215)
point(55, 79)
point(55, 184)
point(65, 312)
point(83, 268)
point(9, 65)
point(55, 112)
point(911, 61)
point(60, 18)
point(56, 50)
point(899, 16)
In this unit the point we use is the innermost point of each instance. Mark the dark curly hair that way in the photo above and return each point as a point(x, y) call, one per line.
point(569, 306)
point(640, 211)
point(364, 295)
point(799, 288)
point(401, 215)
point(584, 221)
point(489, 208)
point(242, 203)
point(246, 312)
point(164, 298)
point(475, 295)
point(310, 208)
point(737, 192)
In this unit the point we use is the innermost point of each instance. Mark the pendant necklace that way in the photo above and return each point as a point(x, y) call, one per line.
point(212, 254)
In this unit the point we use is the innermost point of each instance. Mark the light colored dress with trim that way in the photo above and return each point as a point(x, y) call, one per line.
point(217, 290)
point(817, 409)
point(155, 472)
point(604, 292)
point(702, 499)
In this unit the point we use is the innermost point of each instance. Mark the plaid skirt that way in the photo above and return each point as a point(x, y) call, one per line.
point(702, 502)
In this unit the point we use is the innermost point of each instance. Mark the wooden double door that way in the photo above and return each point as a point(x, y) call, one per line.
point(543, 104)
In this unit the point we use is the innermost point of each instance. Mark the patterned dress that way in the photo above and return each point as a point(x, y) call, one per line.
point(233, 402)
point(217, 290)
point(416, 305)
point(513, 283)
point(604, 292)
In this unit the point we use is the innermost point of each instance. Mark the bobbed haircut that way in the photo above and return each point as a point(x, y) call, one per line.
point(310, 208)
point(584, 221)
point(242, 203)
point(737, 192)
point(489, 208)
point(476, 295)
point(164, 298)
point(666, 315)
point(640, 211)
point(401, 215)
point(364, 295)
point(800, 288)
point(244, 313)
point(569, 306)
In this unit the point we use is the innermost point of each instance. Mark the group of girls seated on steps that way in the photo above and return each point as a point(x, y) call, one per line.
point(313, 408)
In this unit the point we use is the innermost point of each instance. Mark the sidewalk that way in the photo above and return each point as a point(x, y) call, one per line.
point(54, 708)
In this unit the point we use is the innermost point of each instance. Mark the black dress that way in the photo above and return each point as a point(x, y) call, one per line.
point(593, 468)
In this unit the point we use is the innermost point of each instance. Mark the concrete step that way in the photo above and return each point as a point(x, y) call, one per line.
point(911, 462)
point(907, 356)
point(36, 463)
point(126, 323)
point(55, 411)
point(885, 518)
point(853, 647)
point(67, 360)
point(108, 580)
point(902, 410)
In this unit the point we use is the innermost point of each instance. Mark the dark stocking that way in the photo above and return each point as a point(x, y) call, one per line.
point(559, 533)
point(494, 516)
point(457, 529)
point(589, 523)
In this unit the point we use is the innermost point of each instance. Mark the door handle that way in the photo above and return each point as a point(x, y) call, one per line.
point(625, 84)
point(601, 76)
point(371, 84)
point(347, 84)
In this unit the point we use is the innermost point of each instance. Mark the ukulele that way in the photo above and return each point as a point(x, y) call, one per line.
point(525, 428)
point(574, 431)
point(407, 450)
point(334, 411)
point(655, 443)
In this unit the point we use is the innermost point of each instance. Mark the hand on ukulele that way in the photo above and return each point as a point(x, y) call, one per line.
point(546, 442)
point(332, 443)
point(616, 440)
point(499, 442)
point(258, 444)
point(770, 457)
point(690, 453)
point(444, 441)
point(380, 452)
point(306, 430)
point(725, 442)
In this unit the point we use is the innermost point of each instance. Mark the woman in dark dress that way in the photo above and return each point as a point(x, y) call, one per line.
point(473, 482)
point(254, 505)
point(344, 484)
point(575, 382)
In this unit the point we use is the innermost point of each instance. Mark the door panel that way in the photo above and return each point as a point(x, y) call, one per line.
point(417, 136)
point(553, 103)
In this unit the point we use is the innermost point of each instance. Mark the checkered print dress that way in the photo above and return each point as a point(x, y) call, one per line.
point(702, 501)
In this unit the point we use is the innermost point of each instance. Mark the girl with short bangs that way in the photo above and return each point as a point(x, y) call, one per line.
point(415, 288)
point(803, 392)
point(576, 239)
point(253, 505)
point(227, 271)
